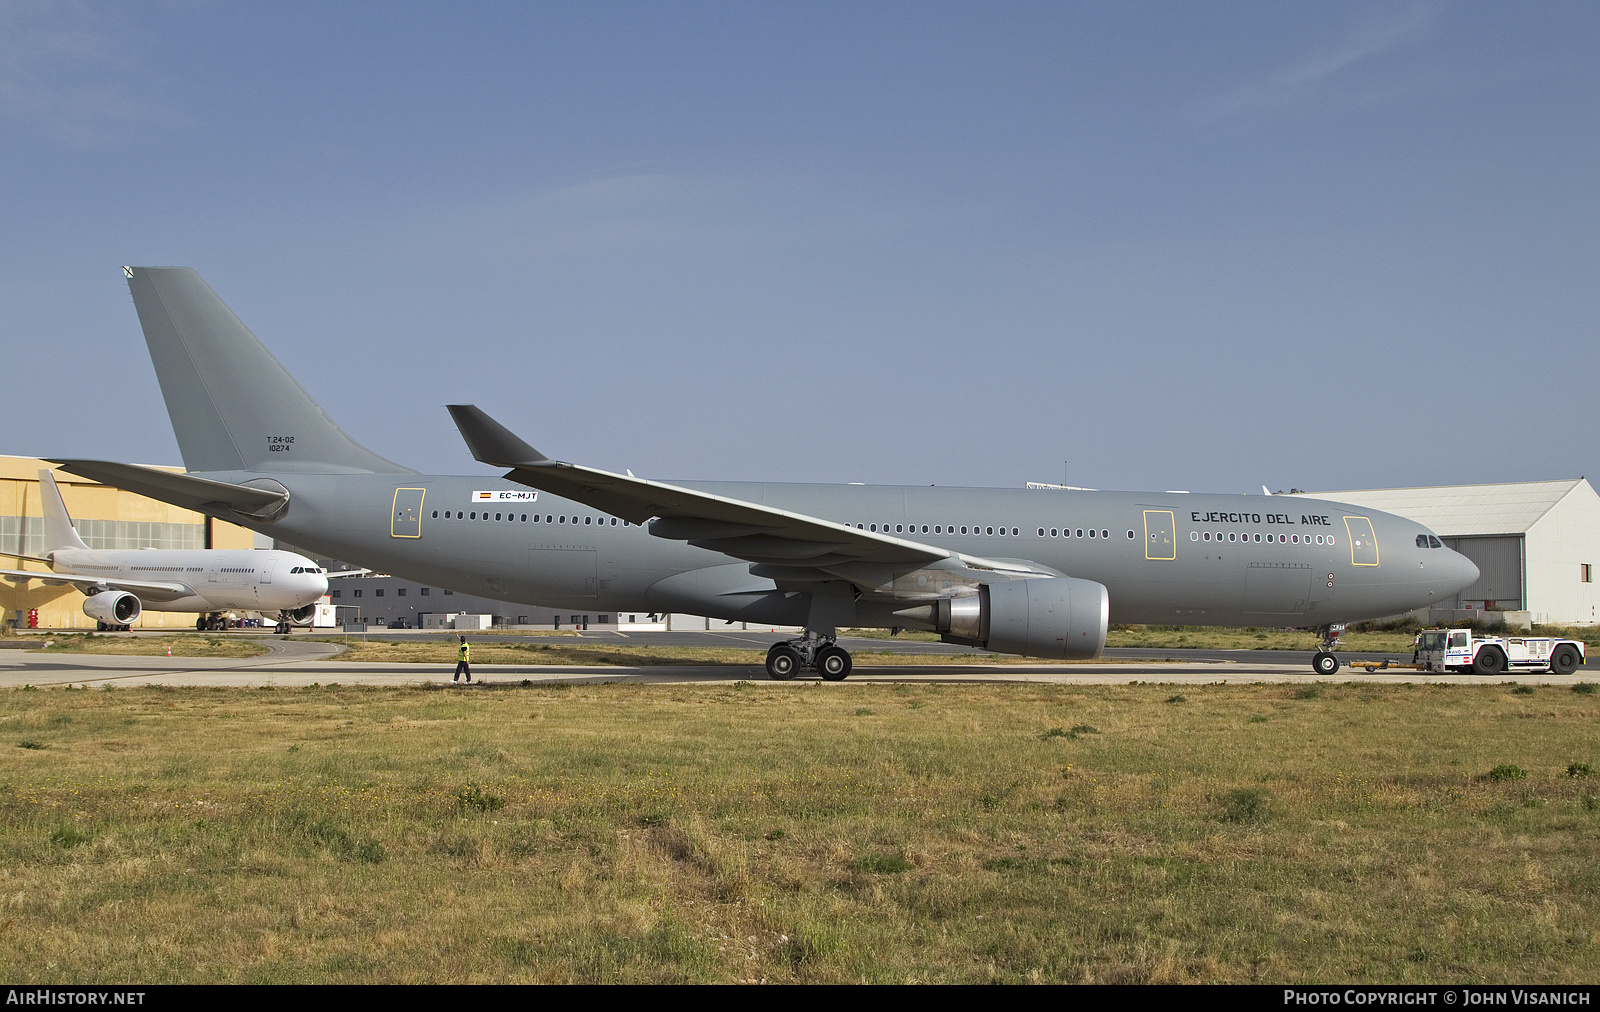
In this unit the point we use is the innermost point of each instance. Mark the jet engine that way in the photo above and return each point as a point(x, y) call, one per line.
point(1060, 618)
point(299, 616)
point(113, 607)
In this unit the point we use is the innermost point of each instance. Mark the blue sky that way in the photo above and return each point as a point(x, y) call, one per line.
point(1143, 246)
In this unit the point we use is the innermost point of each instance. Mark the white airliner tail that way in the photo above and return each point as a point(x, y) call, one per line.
point(58, 530)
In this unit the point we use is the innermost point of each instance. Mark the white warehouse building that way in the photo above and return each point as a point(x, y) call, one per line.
point(1536, 544)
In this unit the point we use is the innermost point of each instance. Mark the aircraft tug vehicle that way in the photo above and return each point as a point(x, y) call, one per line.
point(1465, 651)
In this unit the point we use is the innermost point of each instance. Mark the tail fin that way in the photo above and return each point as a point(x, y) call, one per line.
point(58, 530)
point(233, 406)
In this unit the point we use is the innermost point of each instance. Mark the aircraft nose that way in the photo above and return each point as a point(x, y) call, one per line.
point(1465, 575)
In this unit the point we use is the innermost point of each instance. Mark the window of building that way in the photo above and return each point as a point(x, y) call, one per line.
point(356, 593)
point(378, 592)
point(1587, 573)
point(400, 593)
point(423, 591)
point(448, 591)
point(335, 593)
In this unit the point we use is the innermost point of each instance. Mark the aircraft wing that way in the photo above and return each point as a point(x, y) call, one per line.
point(203, 495)
point(751, 531)
point(81, 581)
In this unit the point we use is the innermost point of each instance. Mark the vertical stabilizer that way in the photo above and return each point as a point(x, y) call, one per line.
point(233, 406)
point(58, 530)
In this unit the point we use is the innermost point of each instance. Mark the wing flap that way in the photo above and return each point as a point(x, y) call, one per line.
point(684, 514)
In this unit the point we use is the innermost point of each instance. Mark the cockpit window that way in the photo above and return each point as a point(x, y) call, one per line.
point(1422, 541)
point(1434, 542)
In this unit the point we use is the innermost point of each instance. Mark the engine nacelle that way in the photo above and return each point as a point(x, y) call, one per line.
point(113, 607)
point(299, 616)
point(1061, 618)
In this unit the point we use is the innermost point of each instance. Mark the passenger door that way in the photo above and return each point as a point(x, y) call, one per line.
point(1160, 536)
point(1363, 542)
point(405, 520)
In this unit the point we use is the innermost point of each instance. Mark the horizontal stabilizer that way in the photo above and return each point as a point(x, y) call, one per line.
point(203, 495)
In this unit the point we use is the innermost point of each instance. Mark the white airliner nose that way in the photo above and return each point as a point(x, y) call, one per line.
point(1463, 574)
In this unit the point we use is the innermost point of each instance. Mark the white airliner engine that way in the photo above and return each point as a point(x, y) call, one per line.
point(302, 615)
point(113, 607)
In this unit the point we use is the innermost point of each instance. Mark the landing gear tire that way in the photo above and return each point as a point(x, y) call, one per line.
point(1325, 663)
point(834, 664)
point(1489, 662)
point(1564, 661)
point(200, 624)
point(783, 662)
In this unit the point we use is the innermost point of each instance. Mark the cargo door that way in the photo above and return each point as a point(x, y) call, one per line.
point(1276, 589)
point(405, 520)
point(1160, 536)
point(564, 572)
point(1363, 542)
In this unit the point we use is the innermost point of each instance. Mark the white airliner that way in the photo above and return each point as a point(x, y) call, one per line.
point(119, 584)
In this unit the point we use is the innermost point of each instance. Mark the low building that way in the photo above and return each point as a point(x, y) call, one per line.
point(105, 517)
point(1536, 544)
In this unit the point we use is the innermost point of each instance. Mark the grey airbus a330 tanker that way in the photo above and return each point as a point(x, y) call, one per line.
point(1039, 573)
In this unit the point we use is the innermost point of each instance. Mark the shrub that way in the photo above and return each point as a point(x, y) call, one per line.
point(1522, 690)
point(1580, 770)
point(1055, 732)
point(1245, 804)
point(1584, 688)
point(863, 712)
point(1508, 771)
point(473, 798)
point(30, 743)
point(1308, 692)
point(1177, 699)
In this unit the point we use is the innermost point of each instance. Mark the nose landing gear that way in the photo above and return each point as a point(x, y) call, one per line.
point(1325, 661)
point(813, 650)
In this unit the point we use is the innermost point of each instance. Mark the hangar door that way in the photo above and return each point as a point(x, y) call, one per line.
point(1499, 561)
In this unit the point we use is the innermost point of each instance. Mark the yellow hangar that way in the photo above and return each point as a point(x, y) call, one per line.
point(105, 517)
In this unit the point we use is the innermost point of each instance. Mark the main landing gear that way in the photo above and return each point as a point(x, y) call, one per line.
point(789, 658)
point(1325, 661)
point(212, 622)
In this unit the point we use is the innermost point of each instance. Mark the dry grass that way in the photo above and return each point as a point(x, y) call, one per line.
point(1222, 638)
point(181, 645)
point(799, 832)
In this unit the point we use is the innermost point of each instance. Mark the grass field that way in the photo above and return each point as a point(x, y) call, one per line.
point(801, 832)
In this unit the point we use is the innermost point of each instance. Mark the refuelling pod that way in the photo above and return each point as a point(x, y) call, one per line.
point(1061, 618)
point(113, 607)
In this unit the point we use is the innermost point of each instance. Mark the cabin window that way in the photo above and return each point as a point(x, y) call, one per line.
point(436, 514)
point(474, 515)
point(1041, 532)
point(1014, 533)
point(563, 519)
point(1080, 532)
point(991, 531)
point(524, 518)
point(1130, 535)
point(1194, 535)
point(587, 520)
point(963, 528)
point(1053, 532)
point(1258, 539)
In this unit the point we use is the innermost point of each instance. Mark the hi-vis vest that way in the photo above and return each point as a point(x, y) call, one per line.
point(464, 652)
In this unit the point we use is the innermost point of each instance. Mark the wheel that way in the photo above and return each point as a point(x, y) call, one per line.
point(1564, 661)
point(200, 624)
point(834, 663)
point(1489, 662)
point(1324, 663)
point(782, 662)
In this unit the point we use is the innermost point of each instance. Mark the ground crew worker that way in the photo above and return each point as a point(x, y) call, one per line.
point(463, 661)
